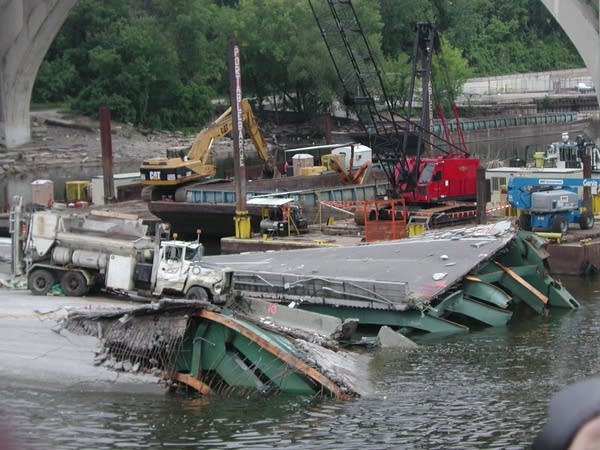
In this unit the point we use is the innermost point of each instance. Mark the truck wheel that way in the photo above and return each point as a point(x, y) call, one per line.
point(40, 281)
point(74, 284)
point(586, 220)
point(197, 293)
point(560, 224)
point(525, 222)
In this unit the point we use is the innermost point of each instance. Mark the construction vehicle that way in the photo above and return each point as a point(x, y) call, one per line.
point(415, 174)
point(182, 166)
point(281, 216)
point(567, 154)
point(94, 251)
point(550, 204)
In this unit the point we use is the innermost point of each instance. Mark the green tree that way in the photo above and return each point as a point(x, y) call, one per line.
point(54, 80)
point(160, 63)
point(399, 17)
point(263, 30)
point(450, 70)
point(135, 69)
point(508, 36)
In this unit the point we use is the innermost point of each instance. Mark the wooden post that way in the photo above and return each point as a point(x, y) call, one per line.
point(107, 156)
point(241, 219)
point(327, 124)
point(482, 195)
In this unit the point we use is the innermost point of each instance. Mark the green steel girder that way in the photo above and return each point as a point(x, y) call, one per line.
point(278, 373)
point(535, 241)
point(216, 356)
point(188, 357)
point(197, 347)
point(521, 293)
point(557, 295)
point(485, 292)
point(526, 249)
point(413, 319)
point(241, 362)
point(491, 273)
point(482, 312)
point(460, 303)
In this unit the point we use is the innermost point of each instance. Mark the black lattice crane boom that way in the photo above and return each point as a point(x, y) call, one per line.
point(364, 91)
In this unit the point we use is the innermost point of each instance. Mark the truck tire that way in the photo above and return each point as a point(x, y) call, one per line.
point(559, 224)
point(40, 281)
point(586, 220)
point(197, 293)
point(525, 222)
point(74, 284)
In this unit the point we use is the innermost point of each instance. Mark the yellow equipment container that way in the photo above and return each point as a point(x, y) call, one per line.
point(538, 157)
point(315, 170)
point(415, 229)
point(596, 203)
point(326, 161)
point(77, 191)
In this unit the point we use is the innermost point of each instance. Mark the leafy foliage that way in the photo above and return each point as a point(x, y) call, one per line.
point(160, 63)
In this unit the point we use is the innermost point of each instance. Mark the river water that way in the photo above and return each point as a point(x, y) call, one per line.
point(484, 389)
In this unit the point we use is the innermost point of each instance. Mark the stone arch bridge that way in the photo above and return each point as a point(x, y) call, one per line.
point(29, 27)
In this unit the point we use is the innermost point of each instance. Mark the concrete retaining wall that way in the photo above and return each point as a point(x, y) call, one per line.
point(554, 82)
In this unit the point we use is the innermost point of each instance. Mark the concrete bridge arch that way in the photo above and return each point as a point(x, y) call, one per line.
point(29, 27)
point(581, 23)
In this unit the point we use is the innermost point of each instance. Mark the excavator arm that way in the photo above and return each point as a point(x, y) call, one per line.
point(222, 126)
point(197, 163)
point(270, 167)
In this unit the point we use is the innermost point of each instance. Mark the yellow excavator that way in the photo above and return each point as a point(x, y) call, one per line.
point(180, 167)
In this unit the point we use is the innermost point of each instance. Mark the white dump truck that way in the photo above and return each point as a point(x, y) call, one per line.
point(93, 251)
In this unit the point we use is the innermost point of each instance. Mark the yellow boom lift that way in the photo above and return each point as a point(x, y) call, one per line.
point(173, 171)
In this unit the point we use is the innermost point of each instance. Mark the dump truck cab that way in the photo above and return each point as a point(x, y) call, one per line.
point(180, 270)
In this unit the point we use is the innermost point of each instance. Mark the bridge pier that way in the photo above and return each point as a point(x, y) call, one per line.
point(28, 28)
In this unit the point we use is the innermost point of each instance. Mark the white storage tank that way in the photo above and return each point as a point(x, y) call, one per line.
point(119, 180)
point(42, 193)
point(302, 160)
point(362, 153)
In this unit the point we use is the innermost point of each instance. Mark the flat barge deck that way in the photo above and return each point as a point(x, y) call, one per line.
point(211, 205)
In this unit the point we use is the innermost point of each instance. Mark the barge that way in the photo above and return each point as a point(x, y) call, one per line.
point(210, 205)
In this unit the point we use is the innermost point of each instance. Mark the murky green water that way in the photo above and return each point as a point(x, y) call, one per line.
point(485, 389)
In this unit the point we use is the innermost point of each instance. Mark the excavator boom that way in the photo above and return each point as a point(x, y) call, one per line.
point(197, 163)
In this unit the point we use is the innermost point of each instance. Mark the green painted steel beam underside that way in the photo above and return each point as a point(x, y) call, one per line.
point(227, 361)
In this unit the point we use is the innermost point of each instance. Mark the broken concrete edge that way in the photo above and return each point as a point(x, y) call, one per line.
point(287, 317)
point(388, 338)
point(328, 331)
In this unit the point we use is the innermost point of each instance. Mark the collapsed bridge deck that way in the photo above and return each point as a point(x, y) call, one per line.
point(389, 275)
point(480, 272)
